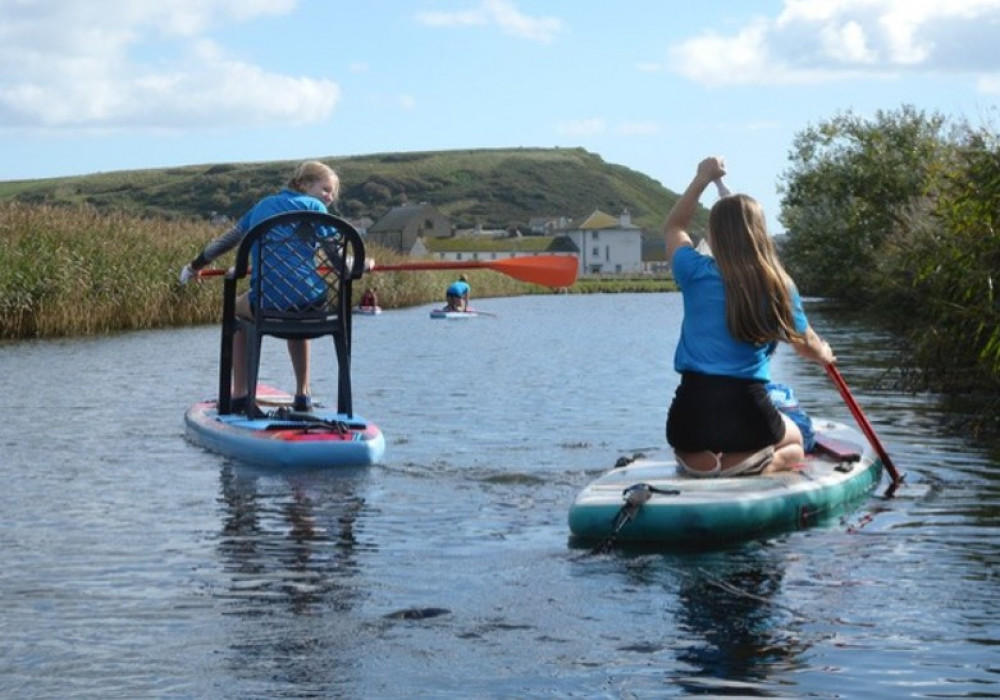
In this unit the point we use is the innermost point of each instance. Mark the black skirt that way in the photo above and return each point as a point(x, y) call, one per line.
point(722, 414)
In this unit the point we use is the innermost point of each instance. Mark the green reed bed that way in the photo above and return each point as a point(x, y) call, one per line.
point(74, 271)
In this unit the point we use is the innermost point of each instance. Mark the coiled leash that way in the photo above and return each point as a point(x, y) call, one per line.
point(635, 496)
point(309, 422)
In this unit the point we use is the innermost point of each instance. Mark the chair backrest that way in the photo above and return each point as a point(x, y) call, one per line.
point(301, 265)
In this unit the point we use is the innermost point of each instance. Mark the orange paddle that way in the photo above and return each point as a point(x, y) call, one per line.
point(545, 270)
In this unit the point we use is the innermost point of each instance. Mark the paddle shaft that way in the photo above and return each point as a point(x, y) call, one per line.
point(863, 423)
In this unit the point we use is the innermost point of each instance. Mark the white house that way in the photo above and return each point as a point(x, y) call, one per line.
point(607, 245)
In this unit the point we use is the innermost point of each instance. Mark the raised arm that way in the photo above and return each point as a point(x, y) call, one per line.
point(675, 230)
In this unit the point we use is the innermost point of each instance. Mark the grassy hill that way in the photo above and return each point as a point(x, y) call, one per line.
point(496, 188)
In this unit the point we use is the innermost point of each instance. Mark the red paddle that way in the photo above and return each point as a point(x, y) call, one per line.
point(863, 423)
point(544, 270)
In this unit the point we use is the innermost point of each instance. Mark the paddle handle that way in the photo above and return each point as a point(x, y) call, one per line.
point(863, 423)
point(721, 186)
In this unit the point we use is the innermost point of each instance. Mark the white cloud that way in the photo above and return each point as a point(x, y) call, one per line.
point(69, 65)
point(500, 13)
point(817, 40)
point(847, 43)
point(583, 127)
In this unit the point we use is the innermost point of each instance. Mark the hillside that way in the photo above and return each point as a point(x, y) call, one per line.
point(496, 188)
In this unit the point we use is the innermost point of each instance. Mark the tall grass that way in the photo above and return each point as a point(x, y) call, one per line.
point(76, 271)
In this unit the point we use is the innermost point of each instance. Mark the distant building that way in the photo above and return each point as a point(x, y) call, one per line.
point(603, 244)
point(490, 249)
point(361, 225)
point(607, 244)
point(401, 226)
point(547, 225)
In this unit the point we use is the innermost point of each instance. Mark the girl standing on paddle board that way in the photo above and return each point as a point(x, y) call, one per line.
point(738, 303)
point(313, 186)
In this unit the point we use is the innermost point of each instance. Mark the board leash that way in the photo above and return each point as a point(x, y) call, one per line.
point(635, 497)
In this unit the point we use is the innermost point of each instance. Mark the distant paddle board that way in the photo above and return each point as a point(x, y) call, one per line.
point(454, 315)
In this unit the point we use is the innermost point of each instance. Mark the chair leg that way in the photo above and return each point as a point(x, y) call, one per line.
point(253, 345)
point(344, 400)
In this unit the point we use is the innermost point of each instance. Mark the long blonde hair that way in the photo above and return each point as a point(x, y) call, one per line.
point(758, 290)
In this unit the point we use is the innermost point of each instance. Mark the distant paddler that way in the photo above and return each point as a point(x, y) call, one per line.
point(457, 295)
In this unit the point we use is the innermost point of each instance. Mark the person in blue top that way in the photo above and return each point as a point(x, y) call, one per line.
point(738, 304)
point(313, 186)
point(457, 295)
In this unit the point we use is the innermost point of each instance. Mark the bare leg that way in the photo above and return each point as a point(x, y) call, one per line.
point(298, 350)
point(240, 350)
point(790, 450)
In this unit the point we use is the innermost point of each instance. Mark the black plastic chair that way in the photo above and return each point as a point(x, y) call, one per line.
point(304, 264)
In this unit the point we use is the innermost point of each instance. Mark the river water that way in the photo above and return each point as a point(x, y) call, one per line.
point(135, 564)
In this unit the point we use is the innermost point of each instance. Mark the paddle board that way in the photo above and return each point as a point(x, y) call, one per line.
point(458, 315)
point(650, 502)
point(284, 438)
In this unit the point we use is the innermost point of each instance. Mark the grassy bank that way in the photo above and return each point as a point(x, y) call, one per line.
point(74, 271)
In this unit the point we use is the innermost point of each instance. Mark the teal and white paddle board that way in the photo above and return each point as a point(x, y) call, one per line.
point(650, 502)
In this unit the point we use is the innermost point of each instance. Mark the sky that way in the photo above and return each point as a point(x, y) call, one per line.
point(91, 86)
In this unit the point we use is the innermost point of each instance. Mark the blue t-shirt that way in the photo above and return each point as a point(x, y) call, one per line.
point(705, 345)
point(292, 281)
point(457, 288)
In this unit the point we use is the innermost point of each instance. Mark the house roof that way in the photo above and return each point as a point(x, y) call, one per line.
point(599, 221)
point(397, 218)
point(525, 244)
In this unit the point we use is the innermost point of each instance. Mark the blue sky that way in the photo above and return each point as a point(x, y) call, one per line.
point(108, 85)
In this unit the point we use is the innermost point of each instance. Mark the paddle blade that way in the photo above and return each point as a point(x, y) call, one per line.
point(546, 270)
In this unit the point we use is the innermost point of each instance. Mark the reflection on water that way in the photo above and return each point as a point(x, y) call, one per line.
point(289, 538)
point(288, 543)
point(740, 632)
